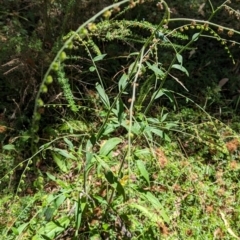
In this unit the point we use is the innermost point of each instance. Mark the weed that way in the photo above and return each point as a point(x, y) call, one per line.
point(115, 168)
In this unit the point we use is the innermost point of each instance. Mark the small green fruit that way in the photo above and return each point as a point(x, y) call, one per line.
point(40, 102)
point(84, 31)
point(55, 66)
point(37, 116)
point(131, 135)
point(35, 128)
point(92, 27)
point(70, 45)
point(44, 89)
point(107, 14)
point(63, 56)
point(49, 80)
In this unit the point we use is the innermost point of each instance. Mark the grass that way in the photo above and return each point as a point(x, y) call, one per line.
point(185, 188)
point(116, 163)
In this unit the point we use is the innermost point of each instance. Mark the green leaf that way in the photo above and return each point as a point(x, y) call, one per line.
point(179, 58)
point(51, 177)
point(134, 53)
point(153, 120)
point(170, 96)
point(69, 143)
point(48, 214)
point(132, 68)
point(195, 36)
point(136, 128)
point(100, 199)
point(171, 125)
point(109, 128)
point(157, 94)
point(59, 201)
point(102, 162)
point(123, 82)
point(92, 69)
point(154, 67)
point(103, 95)
point(95, 237)
point(65, 153)
point(79, 209)
point(158, 206)
point(115, 183)
point(145, 152)
point(99, 57)
point(160, 133)
point(37, 237)
point(15, 231)
point(22, 227)
point(181, 68)
point(9, 147)
point(120, 189)
point(60, 161)
point(143, 171)
point(153, 217)
point(54, 228)
point(50, 198)
point(109, 145)
point(110, 177)
point(157, 131)
point(89, 154)
point(164, 117)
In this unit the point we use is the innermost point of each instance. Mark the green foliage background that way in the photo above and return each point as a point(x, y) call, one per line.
point(116, 127)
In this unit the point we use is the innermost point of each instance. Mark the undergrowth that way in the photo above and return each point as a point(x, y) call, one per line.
point(117, 163)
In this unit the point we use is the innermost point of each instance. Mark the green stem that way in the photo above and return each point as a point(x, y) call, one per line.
point(207, 22)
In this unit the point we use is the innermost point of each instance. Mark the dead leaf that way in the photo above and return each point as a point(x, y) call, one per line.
point(161, 157)
point(200, 9)
point(222, 82)
point(192, 52)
